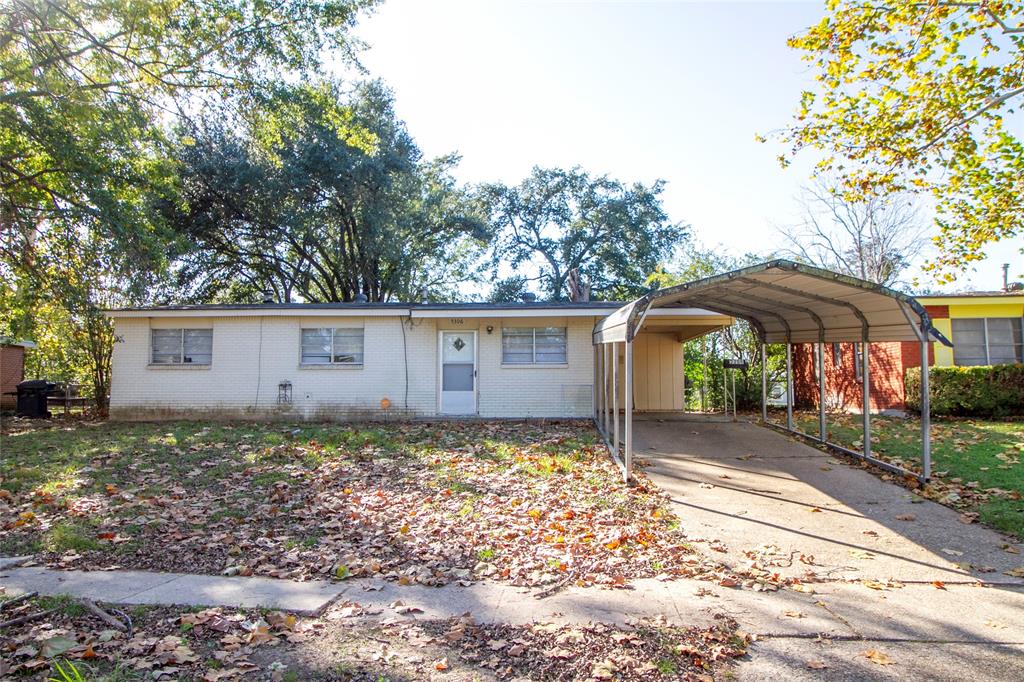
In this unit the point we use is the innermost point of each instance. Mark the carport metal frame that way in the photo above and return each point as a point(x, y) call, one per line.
point(714, 294)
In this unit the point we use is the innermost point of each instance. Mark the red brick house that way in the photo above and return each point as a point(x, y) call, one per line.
point(888, 365)
point(12, 369)
point(985, 328)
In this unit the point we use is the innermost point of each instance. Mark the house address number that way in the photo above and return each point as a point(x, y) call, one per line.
point(456, 320)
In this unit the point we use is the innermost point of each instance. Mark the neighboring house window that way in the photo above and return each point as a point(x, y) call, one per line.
point(332, 346)
point(987, 341)
point(858, 361)
point(534, 346)
point(182, 346)
point(837, 355)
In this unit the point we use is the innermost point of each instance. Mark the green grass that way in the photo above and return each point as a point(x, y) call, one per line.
point(69, 536)
point(964, 451)
point(67, 605)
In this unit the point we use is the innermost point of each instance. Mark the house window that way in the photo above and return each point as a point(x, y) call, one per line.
point(182, 346)
point(858, 361)
point(332, 346)
point(534, 346)
point(987, 341)
point(837, 354)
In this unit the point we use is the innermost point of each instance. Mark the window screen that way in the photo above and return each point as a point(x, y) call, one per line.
point(986, 341)
point(181, 346)
point(1004, 340)
point(534, 345)
point(332, 346)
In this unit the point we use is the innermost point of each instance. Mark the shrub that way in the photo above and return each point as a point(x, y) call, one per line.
point(996, 391)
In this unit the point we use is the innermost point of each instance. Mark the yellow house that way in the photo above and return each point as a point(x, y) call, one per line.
point(985, 328)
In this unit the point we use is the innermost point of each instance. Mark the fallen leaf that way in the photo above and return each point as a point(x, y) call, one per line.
point(905, 517)
point(816, 665)
point(441, 664)
point(938, 584)
point(55, 646)
point(876, 656)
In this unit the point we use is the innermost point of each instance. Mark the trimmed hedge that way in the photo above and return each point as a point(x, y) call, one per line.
point(996, 391)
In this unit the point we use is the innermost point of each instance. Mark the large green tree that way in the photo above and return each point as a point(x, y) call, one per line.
point(319, 194)
point(922, 97)
point(88, 91)
point(555, 221)
point(85, 86)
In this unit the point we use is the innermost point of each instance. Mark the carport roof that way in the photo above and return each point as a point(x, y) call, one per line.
point(785, 302)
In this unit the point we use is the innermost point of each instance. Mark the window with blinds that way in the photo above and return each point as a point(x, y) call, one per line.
point(181, 346)
point(987, 341)
point(332, 346)
point(534, 346)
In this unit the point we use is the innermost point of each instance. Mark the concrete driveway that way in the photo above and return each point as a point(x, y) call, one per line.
point(747, 494)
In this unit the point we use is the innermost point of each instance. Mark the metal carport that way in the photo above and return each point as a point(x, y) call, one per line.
point(784, 302)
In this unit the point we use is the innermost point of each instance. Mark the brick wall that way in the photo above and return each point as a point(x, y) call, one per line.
point(12, 373)
point(888, 362)
point(242, 380)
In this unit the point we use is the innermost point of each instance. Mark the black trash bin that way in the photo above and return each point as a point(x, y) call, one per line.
point(32, 397)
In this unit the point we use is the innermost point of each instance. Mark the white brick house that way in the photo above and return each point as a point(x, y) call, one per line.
point(365, 360)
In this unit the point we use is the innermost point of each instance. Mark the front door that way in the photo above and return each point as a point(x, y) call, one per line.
point(458, 372)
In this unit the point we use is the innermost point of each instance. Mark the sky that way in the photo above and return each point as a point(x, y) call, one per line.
point(638, 90)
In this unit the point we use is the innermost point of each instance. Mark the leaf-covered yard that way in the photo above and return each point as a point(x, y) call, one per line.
point(976, 463)
point(414, 503)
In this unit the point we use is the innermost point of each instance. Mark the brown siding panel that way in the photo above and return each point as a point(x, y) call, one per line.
point(12, 373)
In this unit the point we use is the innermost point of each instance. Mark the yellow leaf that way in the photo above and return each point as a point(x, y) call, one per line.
point(876, 656)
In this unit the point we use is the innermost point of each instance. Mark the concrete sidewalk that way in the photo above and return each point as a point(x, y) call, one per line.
point(837, 610)
point(145, 587)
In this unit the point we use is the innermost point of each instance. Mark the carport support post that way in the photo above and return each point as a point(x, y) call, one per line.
point(865, 375)
point(789, 386)
point(822, 435)
point(628, 390)
point(615, 394)
point(604, 388)
point(764, 385)
point(926, 417)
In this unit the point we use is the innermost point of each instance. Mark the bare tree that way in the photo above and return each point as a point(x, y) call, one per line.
point(876, 239)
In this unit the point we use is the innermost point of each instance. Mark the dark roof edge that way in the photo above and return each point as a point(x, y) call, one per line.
point(373, 306)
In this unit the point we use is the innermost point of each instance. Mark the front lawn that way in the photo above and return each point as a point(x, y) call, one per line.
point(976, 464)
point(426, 503)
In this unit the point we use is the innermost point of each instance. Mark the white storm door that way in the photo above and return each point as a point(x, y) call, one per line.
point(458, 372)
